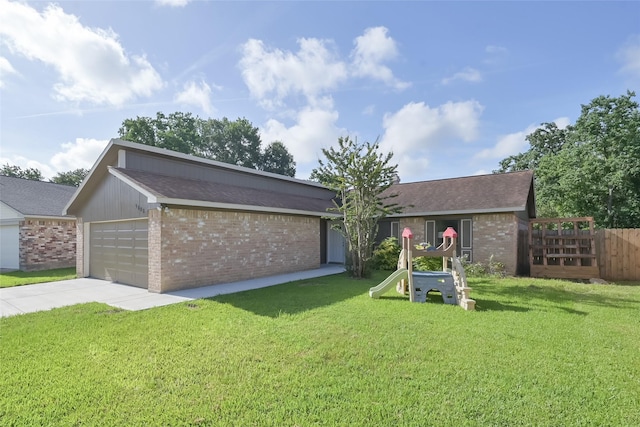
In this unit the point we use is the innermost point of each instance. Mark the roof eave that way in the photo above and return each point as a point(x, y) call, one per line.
point(239, 207)
point(459, 212)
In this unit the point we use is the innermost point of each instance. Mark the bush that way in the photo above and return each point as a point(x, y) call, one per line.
point(424, 263)
point(385, 256)
point(491, 268)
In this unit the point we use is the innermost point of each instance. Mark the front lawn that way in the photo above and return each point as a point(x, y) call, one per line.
point(17, 278)
point(321, 352)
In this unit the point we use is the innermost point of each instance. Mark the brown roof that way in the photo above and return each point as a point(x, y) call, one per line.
point(474, 194)
point(190, 190)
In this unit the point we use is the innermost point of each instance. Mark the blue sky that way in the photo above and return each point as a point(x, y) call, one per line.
point(450, 87)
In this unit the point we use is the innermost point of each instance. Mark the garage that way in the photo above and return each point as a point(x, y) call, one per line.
point(119, 251)
point(9, 247)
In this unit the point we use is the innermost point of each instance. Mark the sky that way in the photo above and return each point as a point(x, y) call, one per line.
point(450, 88)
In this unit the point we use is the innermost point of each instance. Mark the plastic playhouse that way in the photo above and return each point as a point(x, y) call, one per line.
point(452, 284)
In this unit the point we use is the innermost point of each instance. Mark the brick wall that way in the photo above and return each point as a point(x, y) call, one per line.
point(496, 234)
point(190, 248)
point(47, 243)
point(417, 228)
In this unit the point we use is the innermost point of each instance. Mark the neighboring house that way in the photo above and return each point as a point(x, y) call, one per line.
point(34, 233)
point(166, 221)
point(490, 213)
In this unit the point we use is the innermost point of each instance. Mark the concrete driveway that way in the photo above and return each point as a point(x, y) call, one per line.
point(45, 296)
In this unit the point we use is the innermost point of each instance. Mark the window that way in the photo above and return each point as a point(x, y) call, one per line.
point(430, 232)
point(395, 229)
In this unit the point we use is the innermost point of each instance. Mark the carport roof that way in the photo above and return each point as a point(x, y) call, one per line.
point(35, 198)
point(170, 190)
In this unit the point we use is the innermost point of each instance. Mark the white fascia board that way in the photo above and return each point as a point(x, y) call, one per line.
point(61, 217)
point(458, 212)
point(151, 198)
point(237, 207)
point(10, 221)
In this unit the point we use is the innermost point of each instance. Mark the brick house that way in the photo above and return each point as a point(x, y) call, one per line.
point(166, 221)
point(490, 212)
point(34, 234)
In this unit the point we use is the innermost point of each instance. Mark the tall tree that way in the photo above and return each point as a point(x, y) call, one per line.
point(607, 138)
point(359, 174)
point(277, 159)
point(591, 168)
point(547, 140)
point(73, 177)
point(18, 172)
point(236, 142)
point(177, 131)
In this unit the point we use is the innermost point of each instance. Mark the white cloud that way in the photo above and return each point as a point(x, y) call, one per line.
point(82, 153)
point(92, 64)
point(272, 74)
point(417, 131)
point(372, 49)
point(629, 55)
point(5, 69)
point(493, 49)
point(25, 163)
point(173, 3)
point(416, 126)
point(196, 94)
point(514, 143)
point(315, 128)
point(468, 75)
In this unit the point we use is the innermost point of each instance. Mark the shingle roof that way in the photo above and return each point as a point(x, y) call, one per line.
point(169, 187)
point(35, 198)
point(483, 193)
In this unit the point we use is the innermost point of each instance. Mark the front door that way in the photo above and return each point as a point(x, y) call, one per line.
point(335, 246)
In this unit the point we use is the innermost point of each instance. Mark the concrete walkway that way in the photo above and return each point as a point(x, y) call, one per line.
point(45, 296)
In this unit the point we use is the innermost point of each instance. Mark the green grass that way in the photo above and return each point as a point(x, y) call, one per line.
point(321, 352)
point(18, 278)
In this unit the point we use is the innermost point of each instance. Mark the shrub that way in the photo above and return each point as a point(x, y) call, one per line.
point(424, 263)
point(491, 268)
point(385, 256)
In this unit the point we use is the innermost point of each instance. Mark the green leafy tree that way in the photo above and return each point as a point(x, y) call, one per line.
point(277, 159)
point(236, 142)
point(73, 177)
point(591, 168)
point(548, 140)
point(359, 174)
point(177, 131)
point(605, 157)
point(18, 172)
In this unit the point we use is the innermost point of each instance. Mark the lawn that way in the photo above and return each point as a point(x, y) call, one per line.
point(17, 278)
point(321, 352)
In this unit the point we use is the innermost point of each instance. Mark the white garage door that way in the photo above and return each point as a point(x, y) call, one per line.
point(9, 247)
point(119, 252)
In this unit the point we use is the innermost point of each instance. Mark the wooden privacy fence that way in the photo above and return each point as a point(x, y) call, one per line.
point(618, 253)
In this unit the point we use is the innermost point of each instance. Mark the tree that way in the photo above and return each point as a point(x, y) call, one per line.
point(18, 172)
point(236, 142)
point(547, 140)
point(177, 131)
point(73, 177)
point(607, 139)
point(591, 168)
point(359, 174)
point(277, 159)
